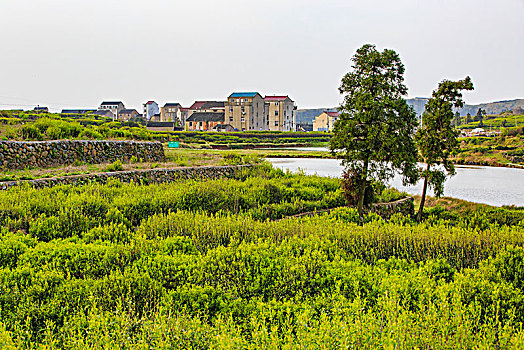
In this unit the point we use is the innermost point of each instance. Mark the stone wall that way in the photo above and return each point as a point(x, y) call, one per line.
point(139, 176)
point(45, 154)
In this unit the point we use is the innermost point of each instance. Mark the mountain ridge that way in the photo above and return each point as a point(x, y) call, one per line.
point(418, 103)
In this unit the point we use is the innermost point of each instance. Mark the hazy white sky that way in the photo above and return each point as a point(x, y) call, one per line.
point(76, 53)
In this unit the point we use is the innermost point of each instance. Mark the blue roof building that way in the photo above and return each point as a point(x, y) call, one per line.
point(244, 94)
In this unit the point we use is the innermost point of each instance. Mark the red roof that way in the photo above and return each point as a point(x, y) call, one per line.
point(197, 105)
point(184, 109)
point(275, 98)
point(149, 102)
point(332, 114)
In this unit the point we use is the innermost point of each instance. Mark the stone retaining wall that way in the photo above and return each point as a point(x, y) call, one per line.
point(139, 176)
point(45, 154)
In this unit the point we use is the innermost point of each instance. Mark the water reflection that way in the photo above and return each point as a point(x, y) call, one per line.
point(490, 185)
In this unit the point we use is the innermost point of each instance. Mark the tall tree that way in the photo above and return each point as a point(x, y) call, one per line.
point(480, 117)
point(456, 119)
point(374, 133)
point(436, 138)
point(468, 118)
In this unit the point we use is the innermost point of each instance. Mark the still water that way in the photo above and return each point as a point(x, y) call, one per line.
point(490, 185)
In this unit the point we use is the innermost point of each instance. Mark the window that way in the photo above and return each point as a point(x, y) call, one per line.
point(230, 119)
point(243, 109)
point(242, 120)
point(276, 113)
point(276, 103)
point(199, 123)
point(276, 122)
point(231, 109)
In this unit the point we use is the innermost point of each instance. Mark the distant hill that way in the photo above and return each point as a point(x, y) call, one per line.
point(418, 103)
point(307, 115)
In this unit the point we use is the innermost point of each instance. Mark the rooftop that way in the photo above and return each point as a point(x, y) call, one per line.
point(77, 111)
point(126, 111)
point(110, 103)
point(244, 94)
point(332, 114)
point(213, 104)
point(197, 105)
point(275, 98)
point(172, 104)
point(206, 117)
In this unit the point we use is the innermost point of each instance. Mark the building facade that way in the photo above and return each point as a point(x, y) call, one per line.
point(127, 114)
point(204, 121)
point(150, 108)
point(206, 106)
point(245, 111)
point(325, 121)
point(280, 113)
point(171, 113)
point(114, 106)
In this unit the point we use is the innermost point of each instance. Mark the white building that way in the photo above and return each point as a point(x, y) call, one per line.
point(114, 106)
point(150, 109)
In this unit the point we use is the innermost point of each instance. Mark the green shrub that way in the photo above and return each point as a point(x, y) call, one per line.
point(31, 132)
point(115, 166)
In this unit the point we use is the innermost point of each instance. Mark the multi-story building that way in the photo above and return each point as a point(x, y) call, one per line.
point(150, 109)
point(204, 121)
point(280, 113)
point(325, 121)
point(245, 111)
point(171, 113)
point(114, 106)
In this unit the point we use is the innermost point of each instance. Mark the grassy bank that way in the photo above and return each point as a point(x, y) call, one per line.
point(491, 151)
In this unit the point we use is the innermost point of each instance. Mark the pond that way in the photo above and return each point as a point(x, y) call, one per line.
point(480, 184)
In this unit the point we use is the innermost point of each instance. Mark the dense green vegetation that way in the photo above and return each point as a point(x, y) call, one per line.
point(48, 126)
point(198, 265)
point(53, 127)
point(495, 151)
point(495, 122)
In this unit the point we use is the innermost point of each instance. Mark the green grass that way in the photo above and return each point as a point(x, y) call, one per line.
point(497, 122)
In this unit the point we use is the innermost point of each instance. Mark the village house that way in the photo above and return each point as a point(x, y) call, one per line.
point(39, 109)
point(325, 121)
point(203, 121)
point(245, 111)
point(279, 113)
point(113, 106)
point(105, 113)
point(171, 113)
point(127, 114)
point(206, 106)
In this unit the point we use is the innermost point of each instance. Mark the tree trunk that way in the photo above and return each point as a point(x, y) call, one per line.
point(423, 199)
point(362, 194)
